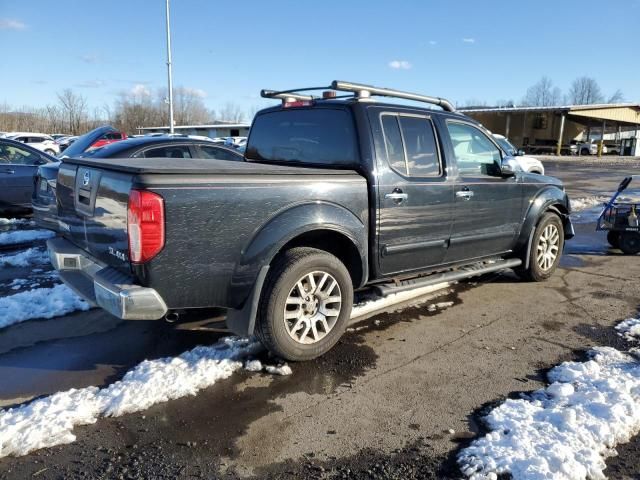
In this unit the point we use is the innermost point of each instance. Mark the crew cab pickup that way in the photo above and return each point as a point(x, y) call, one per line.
point(334, 195)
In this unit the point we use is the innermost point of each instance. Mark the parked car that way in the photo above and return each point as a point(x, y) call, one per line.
point(612, 148)
point(39, 141)
point(18, 165)
point(334, 195)
point(58, 136)
point(64, 142)
point(109, 137)
point(45, 208)
point(527, 163)
point(591, 148)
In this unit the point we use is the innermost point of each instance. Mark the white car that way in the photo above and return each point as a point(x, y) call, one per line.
point(38, 140)
point(591, 148)
point(527, 163)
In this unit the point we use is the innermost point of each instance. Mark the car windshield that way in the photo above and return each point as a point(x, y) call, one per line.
point(506, 145)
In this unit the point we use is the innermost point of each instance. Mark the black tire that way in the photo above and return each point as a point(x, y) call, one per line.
point(291, 266)
point(613, 238)
point(585, 151)
point(630, 242)
point(50, 152)
point(535, 272)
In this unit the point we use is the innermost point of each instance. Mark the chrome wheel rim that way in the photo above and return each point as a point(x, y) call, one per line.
point(548, 247)
point(312, 307)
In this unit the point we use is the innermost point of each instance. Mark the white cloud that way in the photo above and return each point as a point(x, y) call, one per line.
point(10, 24)
point(400, 65)
point(140, 90)
point(432, 42)
point(469, 40)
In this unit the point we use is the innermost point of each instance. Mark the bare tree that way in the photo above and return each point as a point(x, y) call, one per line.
point(542, 94)
point(231, 112)
point(74, 108)
point(189, 107)
point(616, 97)
point(585, 91)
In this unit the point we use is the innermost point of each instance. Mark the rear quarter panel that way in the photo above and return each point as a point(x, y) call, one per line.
point(221, 231)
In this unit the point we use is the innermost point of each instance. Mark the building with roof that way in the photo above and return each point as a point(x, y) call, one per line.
point(554, 129)
point(212, 131)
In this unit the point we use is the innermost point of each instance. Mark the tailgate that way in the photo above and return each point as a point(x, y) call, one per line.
point(92, 211)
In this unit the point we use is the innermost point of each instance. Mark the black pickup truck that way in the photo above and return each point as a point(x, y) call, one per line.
point(336, 193)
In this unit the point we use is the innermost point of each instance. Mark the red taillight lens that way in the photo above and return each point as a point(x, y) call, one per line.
point(145, 225)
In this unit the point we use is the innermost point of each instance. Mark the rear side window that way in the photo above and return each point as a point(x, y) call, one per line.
point(217, 153)
point(411, 145)
point(319, 136)
point(172, 151)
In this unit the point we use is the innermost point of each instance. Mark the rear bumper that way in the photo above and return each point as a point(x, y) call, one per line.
point(102, 285)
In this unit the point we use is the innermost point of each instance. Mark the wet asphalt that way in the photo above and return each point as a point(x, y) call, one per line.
point(381, 404)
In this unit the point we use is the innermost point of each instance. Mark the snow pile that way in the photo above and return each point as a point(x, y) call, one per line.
point(39, 303)
point(369, 306)
point(50, 420)
point(566, 430)
point(253, 366)
point(629, 329)
point(584, 203)
point(23, 236)
point(31, 256)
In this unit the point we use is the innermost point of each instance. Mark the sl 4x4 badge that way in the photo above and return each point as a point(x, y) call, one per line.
point(118, 254)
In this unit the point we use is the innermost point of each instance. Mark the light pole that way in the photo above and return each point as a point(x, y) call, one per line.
point(169, 75)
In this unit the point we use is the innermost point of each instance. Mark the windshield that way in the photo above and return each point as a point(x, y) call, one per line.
point(506, 145)
point(317, 136)
point(85, 141)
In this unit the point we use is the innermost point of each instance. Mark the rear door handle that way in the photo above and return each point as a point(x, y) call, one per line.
point(10, 172)
point(397, 195)
point(466, 194)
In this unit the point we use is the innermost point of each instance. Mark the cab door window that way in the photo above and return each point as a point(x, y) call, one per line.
point(475, 154)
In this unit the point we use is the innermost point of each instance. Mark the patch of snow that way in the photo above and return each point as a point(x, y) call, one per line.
point(31, 256)
point(369, 306)
point(49, 421)
point(629, 329)
point(564, 431)
point(23, 236)
point(39, 303)
point(283, 369)
point(584, 203)
point(253, 366)
point(16, 221)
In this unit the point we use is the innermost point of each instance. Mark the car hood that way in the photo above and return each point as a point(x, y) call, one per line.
point(85, 141)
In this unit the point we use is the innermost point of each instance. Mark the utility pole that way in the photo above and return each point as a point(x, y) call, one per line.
point(169, 74)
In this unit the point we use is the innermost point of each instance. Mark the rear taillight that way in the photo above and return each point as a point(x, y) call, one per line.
point(145, 225)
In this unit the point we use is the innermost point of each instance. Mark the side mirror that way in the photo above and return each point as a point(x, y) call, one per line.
point(508, 167)
point(520, 152)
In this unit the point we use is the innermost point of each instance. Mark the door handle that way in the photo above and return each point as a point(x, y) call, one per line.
point(466, 194)
point(397, 195)
point(9, 171)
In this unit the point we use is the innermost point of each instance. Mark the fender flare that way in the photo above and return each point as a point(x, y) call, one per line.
point(268, 240)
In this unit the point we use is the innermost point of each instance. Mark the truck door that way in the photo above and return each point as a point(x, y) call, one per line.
point(414, 195)
point(488, 206)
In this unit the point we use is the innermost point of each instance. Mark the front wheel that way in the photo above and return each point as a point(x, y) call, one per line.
point(306, 304)
point(630, 242)
point(546, 249)
point(50, 152)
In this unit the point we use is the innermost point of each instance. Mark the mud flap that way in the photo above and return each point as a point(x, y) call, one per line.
point(243, 321)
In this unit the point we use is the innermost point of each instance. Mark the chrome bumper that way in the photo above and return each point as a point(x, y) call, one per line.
point(104, 286)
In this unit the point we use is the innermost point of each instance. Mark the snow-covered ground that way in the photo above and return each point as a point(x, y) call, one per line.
point(39, 303)
point(566, 430)
point(25, 258)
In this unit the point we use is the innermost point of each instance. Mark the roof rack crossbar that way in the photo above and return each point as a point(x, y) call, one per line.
point(286, 95)
point(365, 91)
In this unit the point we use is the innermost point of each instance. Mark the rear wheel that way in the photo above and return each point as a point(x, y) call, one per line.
point(584, 151)
point(630, 242)
point(50, 152)
point(306, 304)
point(546, 249)
point(613, 238)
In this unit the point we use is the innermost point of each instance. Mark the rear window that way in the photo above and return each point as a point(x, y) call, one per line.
point(320, 136)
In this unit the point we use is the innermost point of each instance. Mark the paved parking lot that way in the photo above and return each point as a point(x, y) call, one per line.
point(396, 398)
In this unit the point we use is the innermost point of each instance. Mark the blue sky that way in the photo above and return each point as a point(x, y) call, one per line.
point(462, 50)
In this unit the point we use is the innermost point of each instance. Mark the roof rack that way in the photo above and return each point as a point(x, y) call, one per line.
point(360, 91)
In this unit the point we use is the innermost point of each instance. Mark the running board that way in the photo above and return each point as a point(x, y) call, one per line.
point(450, 276)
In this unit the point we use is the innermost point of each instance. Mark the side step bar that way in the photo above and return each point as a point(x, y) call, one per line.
point(451, 276)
